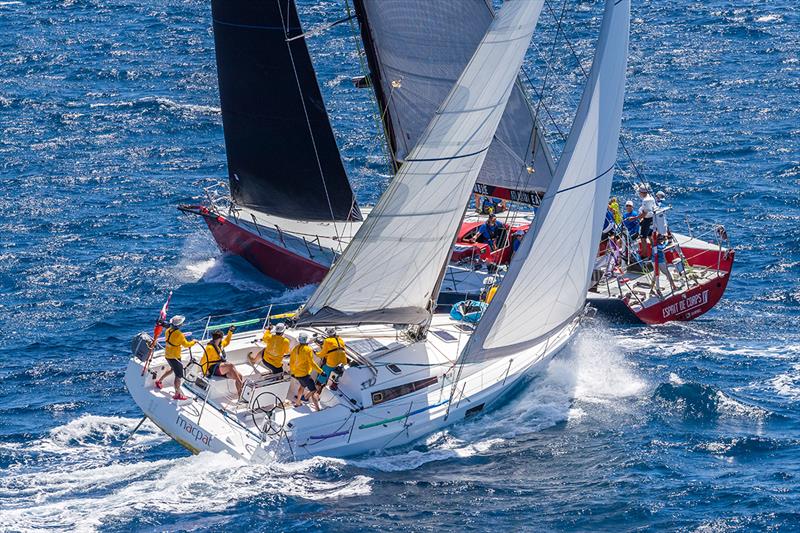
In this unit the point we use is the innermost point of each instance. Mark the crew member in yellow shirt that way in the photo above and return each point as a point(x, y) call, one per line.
point(332, 354)
point(175, 342)
point(213, 361)
point(301, 363)
point(277, 347)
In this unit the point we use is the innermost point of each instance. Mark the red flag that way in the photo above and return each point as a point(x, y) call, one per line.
point(162, 317)
point(157, 329)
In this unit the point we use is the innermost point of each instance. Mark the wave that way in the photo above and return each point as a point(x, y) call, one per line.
point(742, 447)
point(95, 487)
point(697, 401)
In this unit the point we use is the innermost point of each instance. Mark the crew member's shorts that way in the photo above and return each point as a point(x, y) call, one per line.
point(177, 367)
point(646, 227)
point(213, 370)
point(272, 368)
point(306, 382)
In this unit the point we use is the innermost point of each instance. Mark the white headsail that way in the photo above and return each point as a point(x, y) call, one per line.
point(547, 281)
point(389, 272)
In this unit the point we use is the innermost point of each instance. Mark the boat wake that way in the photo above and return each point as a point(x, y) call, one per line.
point(86, 486)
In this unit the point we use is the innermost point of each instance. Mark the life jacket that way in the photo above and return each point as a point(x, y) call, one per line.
point(207, 362)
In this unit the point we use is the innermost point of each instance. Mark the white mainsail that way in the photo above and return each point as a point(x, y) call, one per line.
point(419, 48)
point(547, 281)
point(390, 270)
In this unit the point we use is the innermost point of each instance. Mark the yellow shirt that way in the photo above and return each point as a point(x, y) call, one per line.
point(301, 361)
point(332, 352)
point(175, 340)
point(267, 336)
point(277, 346)
point(211, 355)
point(491, 294)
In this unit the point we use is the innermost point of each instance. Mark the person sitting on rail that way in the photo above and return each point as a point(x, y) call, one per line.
point(490, 232)
point(213, 361)
point(491, 205)
point(332, 354)
point(609, 224)
point(275, 349)
point(301, 364)
point(175, 342)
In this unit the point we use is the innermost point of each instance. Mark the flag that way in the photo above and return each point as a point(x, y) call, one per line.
point(162, 318)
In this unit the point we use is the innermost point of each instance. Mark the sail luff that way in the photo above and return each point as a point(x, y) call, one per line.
point(282, 154)
point(389, 271)
point(546, 284)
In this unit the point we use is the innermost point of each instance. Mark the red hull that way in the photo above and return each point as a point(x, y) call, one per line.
point(697, 300)
point(271, 259)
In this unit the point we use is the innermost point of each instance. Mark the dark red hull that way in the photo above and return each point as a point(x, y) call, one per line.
point(697, 300)
point(270, 258)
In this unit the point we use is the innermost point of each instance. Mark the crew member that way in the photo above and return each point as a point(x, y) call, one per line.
point(175, 342)
point(272, 354)
point(213, 361)
point(301, 363)
point(630, 221)
point(490, 232)
point(490, 289)
point(516, 241)
point(660, 217)
point(332, 354)
point(646, 213)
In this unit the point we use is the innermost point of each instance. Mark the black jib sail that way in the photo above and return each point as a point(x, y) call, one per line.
point(282, 154)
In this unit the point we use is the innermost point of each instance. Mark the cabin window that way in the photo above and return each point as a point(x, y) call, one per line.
point(393, 368)
point(366, 346)
point(401, 390)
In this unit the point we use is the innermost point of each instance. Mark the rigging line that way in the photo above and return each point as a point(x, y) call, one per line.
point(552, 55)
point(586, 75)
point(285, 23)
point(321, 29)
point(376, 104)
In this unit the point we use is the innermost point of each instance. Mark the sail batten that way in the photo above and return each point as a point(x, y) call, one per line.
point(416, 49)
point(545, 287)
point(282, 154)
point(390, 270)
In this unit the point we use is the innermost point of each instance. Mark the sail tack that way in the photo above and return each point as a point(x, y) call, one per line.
point(547, 281)
point(389, 272)
point(416, 49)
point(282, 154)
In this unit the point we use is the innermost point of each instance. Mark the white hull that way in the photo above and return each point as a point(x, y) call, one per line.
point(343, 428)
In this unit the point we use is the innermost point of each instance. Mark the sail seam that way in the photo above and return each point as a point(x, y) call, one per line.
point(449, 158)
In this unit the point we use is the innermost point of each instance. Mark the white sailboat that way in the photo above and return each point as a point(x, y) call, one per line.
point(413, 371)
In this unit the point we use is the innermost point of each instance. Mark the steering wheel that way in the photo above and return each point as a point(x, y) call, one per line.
point(270, 406)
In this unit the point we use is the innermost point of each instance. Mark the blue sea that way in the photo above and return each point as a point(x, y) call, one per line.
point(109, 118)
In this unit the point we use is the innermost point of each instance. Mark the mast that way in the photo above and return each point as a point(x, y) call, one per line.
point(281, 150)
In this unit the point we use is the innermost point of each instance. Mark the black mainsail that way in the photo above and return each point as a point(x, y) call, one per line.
point(415, 50)
point(282, 153)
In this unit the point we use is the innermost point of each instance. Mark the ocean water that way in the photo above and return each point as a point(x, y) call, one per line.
point(109, 117)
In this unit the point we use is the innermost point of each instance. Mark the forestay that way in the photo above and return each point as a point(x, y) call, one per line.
point(390, 270)
point(282, 155)
point(416, 49)
point(547, 281)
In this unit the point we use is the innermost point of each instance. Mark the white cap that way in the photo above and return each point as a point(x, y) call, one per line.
point(629, 203)
point(303, 338)
point(177, 320)
point(330, 332)
point(661, 195)
point(642, 187)
point(280, 327)
point(488, 280)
